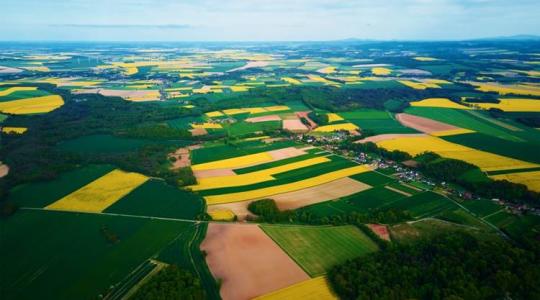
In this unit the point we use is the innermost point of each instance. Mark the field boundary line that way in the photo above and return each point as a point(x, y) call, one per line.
point(113, 214)
point(491, 214)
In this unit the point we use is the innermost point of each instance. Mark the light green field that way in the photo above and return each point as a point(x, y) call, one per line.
point(317, 249)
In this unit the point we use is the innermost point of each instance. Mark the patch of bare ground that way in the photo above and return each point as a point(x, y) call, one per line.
point(247, 262)
point(284, 153)
point(251, 64)
point(304, 114)
point(213, 173)
point(240, 209)
point(198, 131)
point(4, 170)
point(380, 230)
point(328, 191)
point(181, 156)
point(263, 119)
point(388, 136)
point(423, 124)
point(295, 125)
point(398, 191)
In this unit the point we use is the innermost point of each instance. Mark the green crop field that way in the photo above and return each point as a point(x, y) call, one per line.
point(243, 128)
point(513, 225)
point(372, 178)
point(43, 193)
point(425, 204)
point(462, 119)
point(518, 150)
point(317, 249)
point(157, 199)
point(376, 197)
point(67, 255)
point(482, 208)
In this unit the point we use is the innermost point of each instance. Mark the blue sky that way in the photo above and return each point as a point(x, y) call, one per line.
point(260, 20)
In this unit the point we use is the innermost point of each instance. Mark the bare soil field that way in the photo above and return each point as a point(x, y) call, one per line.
point(263, 119)
point(423, 124)
point(294, 125)
point(4, 170)
point(248, 262)
point(213, 173)
point(251, 64)
point(198, 131)
point(286, 153)
point(126, 94)
point(380, 230)
point(182, 157)
point(324, 192)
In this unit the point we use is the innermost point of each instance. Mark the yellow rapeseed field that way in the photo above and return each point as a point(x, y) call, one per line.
point(419, 85)
point(235, 88)
point(101, 193)
point(513, 105)
point(234, 111)
point(320, 79)
point(484, 160)
point(312, 289)
point(381, 71)
point(327, 70)
point(336, 127)
point(452, 132)
point(291, 80)
point(332, 117)
point(17, 130)
point(12, 90)
point(32, 105)
point(277, 108)
point(424, 58)
point(518, 89)
point(235, 162)
point(253, 177)
point(214, 114)
point(530, 179)
point(207, 125)
point(439, 102)
point(284, 188)
point(222, 215)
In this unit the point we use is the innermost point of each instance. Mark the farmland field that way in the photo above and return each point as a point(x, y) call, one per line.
point(75, 260)
point(265, 170)
point(317, 249)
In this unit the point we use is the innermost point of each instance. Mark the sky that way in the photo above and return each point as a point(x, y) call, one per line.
point(265, 20)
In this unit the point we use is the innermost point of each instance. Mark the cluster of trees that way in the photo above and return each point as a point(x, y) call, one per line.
point(453, 170)
point(171, 283)
point(320, 119)
point(450, 266)
point(157, 132)
point(395, 99)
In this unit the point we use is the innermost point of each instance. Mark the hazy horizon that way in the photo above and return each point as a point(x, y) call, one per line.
point(265, 20)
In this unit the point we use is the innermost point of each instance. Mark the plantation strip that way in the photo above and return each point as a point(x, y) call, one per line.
point(289, 187)
point(253, 177)
point(288, 177)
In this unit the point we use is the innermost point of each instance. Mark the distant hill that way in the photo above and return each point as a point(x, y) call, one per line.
point(520, 37)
